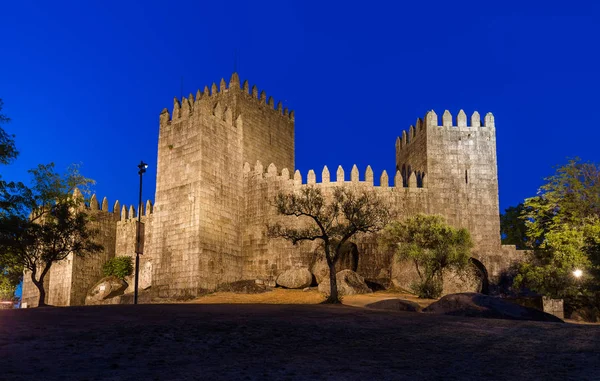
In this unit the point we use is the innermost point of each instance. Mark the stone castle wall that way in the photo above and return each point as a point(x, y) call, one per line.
point(265, 258)
point(208, 224)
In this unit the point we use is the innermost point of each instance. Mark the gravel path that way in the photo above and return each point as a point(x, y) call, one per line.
point(289, 342)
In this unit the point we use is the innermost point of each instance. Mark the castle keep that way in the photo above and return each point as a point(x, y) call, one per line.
point(224, 154)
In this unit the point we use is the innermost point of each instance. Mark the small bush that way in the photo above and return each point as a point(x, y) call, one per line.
point(120, 267)
point(428, 289)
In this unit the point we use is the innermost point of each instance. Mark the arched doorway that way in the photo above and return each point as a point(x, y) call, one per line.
point(483, 275)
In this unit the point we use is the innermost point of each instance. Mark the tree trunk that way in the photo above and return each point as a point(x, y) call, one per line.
point(333, 291)
point(40, 286)
point(42, 300)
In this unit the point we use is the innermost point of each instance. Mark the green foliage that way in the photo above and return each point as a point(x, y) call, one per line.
point(428, 288)
point(512, 227)
point(11, 274)
point(563, 228)
point(44, 223)
point(432, 245)
point(120, 267)
point(8, 151)
point(7, 290)
point(332, 220)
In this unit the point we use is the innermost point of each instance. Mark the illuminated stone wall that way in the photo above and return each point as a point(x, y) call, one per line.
point(225, 153)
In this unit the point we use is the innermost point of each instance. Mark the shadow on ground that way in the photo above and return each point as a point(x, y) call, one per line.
point(295, 342)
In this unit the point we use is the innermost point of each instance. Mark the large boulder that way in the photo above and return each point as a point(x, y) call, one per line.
point(348, 283)
point(106, 288)
point(320, 269)
point(347, 260)
point(478, 305)
point(295, 278)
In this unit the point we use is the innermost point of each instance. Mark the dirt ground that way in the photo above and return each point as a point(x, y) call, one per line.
point(312, 296)
point(204, 340)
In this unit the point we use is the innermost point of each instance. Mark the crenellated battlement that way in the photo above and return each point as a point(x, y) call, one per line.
point(121, 212)
point(271, 174)
point(129, 214)
point(431, 120)
point(186, 107)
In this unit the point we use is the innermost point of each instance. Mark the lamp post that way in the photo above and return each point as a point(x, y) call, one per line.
point(138, 236)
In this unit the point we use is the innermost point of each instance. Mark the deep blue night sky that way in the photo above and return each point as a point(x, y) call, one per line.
point(85, 81)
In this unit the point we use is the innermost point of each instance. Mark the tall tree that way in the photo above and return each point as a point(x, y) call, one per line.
point(513, 228)
point(432, 245)
point(333, 220)
point(44, 223)
point(11, 273)
point(8, 151)
point(563, 228)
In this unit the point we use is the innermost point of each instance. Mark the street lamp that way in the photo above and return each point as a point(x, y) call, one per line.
point(577, 273)
point(138, 235)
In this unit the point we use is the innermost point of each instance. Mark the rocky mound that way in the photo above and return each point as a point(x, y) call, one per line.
point(348, 283)
point(106, 288)
point(478, 305)
point(395, 305)
point(243, 287)
point(295, 278)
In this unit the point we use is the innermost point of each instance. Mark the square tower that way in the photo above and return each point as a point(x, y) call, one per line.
point(199, 204)
point(457, 163)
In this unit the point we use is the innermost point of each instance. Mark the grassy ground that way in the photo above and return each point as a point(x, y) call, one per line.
point(204, 340)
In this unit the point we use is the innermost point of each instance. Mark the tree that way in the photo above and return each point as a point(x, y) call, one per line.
point(512, 227)
point(432, 245)
point(10, 271)
point(8, 151)
point(563, 228)
point(332, 220)
point(43, 224)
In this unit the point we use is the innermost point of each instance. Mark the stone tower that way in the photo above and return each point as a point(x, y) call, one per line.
point(457, 163)
point(196, 240)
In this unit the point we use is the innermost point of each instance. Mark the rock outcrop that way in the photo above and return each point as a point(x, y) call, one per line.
point(295, 278)
point(479, 305)
point(348, 283)
point(395, 305)
point(108, 287)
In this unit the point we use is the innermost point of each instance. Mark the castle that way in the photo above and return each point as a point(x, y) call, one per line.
point(222, 157)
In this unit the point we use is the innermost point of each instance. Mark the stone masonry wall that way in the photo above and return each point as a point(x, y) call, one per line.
point(265, 258)
point(199, 193)
point(87, 270)
point(196, 234)
point(413, 158)
point(126, 234)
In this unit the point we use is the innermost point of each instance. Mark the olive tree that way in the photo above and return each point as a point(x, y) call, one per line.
point(332, 219)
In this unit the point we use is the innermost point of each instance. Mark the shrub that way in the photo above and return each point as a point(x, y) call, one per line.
point(428, 288)
point(433, 246)
point(119, 267)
